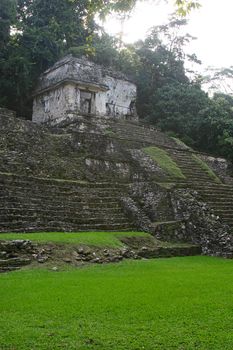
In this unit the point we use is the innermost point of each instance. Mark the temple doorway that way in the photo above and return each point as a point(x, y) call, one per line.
point(87, 102)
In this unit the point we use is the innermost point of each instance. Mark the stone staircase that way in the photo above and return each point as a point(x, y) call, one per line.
point(219, 197)
point(141, 134)
point(32, 204)
point(79, 200)
point(190, 168)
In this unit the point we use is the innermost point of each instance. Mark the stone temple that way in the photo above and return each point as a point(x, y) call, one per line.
point(76, 86)
point(85, 163)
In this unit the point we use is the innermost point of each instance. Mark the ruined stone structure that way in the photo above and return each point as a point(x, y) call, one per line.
point(76, 86)
point(92, 166)
point(103, 174)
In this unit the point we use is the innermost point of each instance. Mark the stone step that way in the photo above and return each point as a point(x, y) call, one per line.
point(224, 210)
point(196, 177)
point(185, 162)
point(14, 262)
point(59, 191)
point(184, 159)
point(26, 192)
point(113, 205)
point(217, 194)
point(228, 223)
point(226, 215)
point(221, 204)
point(154, 137)
point(193, 171)
point(68, 228)
point(223, 200)
point(54, 210)
point(199, 179)
point(73, 194)
point(214, 190)
point(66, 188)
point(66, 184)
point(214, 197)
point(214, 187)
point(165, 252)
point(78, 200)
point(82, 219)
point(195, 180)
point(191, 181)
point(197, 185)
point(63, 215)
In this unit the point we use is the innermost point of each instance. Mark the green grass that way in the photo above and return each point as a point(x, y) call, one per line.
point(206, 168)
point(162, 158)
point(98, 239)
point(179, 303)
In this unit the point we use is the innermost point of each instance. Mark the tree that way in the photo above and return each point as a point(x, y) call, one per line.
point(219, 80)
point(43, 32)
point(186, 6)
point(162, 63)
point(7, 19)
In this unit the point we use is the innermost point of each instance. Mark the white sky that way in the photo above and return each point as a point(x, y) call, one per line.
point(212, 25)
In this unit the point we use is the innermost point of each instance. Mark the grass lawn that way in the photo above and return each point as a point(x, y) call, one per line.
point(105, 239)
point(178, 303)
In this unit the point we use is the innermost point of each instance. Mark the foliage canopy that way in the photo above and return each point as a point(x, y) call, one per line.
point(34, 34)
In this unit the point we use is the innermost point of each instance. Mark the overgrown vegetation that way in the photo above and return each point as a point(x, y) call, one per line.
point(177, 303)
point(161, 157)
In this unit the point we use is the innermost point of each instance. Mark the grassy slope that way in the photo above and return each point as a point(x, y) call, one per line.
point(179, 303)
point(164, 161)
point(108, 239)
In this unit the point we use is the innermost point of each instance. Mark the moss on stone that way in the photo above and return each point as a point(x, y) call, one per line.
point(166, 185)
point(109, 132)
point(162, 158)
point(207, 169)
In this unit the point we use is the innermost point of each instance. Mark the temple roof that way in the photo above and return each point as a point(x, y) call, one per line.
point(79, 71)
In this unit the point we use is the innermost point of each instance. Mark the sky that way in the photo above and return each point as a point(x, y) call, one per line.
point(212, 26)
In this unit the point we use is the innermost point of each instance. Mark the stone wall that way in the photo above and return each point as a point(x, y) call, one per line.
point(153, 199)
point(200, 225)
point(177, 216)
point(54, 105)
